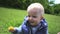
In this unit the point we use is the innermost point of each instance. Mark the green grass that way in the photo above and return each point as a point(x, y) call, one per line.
point(14, 17)
point(53, 23)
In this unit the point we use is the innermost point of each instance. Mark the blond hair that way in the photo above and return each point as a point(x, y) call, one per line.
point(36, 5)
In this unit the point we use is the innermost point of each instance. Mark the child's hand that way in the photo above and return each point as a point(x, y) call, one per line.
point(11, 29)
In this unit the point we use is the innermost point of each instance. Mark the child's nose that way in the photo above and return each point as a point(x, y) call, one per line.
point(30, 18)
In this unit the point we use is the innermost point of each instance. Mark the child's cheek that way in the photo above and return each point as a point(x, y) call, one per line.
point(35, 20)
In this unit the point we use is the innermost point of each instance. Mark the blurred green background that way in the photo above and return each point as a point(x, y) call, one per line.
point(12, 13)
point(14, 17)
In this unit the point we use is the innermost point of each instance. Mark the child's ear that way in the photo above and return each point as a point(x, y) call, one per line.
point(41, 17)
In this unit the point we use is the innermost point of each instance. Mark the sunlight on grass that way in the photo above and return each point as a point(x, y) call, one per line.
point(14, 17)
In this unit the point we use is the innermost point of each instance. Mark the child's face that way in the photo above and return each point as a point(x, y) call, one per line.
point(33, 17)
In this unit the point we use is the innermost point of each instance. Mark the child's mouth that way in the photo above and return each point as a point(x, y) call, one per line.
point(31, 22)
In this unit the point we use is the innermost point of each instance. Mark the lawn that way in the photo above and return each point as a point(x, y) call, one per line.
point(14, 17)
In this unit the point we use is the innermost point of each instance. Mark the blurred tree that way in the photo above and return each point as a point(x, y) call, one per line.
point(57, 9)
point(49, 7)
point(51, 4)
point(22, 4)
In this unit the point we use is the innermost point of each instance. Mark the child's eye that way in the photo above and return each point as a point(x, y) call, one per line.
point(34, 16)
point(28, 16)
